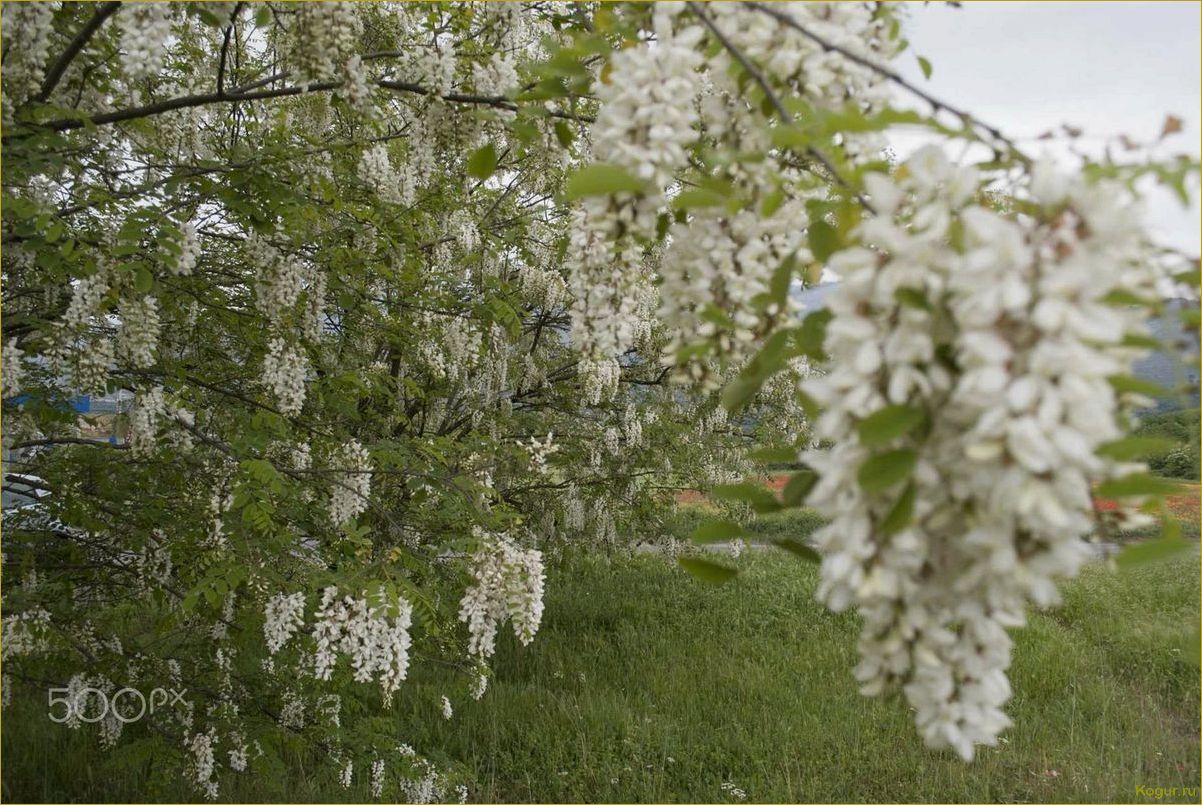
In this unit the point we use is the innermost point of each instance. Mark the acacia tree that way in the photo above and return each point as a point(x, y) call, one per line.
point(399, 291)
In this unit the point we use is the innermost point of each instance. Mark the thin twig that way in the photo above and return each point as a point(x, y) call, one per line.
point(59, 68)
point(777, 104)
point(936, 104)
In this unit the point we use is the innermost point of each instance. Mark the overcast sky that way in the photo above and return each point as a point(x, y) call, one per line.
point(1108, 68)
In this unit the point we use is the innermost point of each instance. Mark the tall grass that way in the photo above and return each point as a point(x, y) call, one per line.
point(645, 685)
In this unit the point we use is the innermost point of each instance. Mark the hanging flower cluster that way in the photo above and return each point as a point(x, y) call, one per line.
point(966, 401)
point(28, 24)
point(378, 647)
point(138, 337)
point(647, 120)
point(508, 583)
point(11, 370)
point(350, 489)
point(145, 28)
point(321, 39)
point(283, 616)
point(284, 371)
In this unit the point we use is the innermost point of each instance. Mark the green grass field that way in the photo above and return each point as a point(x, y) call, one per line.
point(646, 685)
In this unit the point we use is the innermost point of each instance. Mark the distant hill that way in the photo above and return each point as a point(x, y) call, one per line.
point(1165, 368)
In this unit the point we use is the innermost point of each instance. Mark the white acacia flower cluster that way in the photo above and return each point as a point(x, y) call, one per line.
point(648, 116)
point(281, 278)
point(434, 67)
point(356, 88)
point(378, 647)
point(544, 288)
point(11, 370)
point(93, 362)
point(646, 122)
point(726, 262)
point(599, 379)
point(27, 28)
point(377, 778)
point(508, 582)
point(496, 76)
point(376, 170)
point(447, 711)
point(284, 615)
point(1005, 355)
point(285, 368)
point(24, 633)
point(87, 294)
point(322, 38)
point(138, 336)
point(204, 762)
point(148, 409)
point(350, 489)
point(189, 251)
point(145, 29)
point(239, 754)
point(539, 452)
point(454, 350)
point(823, 77)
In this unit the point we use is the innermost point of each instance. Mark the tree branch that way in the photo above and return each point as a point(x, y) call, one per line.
point(59, 68)
point(209, 98)
point(936, 104)
point(785, 117)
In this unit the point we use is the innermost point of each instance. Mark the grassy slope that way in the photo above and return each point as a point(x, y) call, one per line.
point(645, 685)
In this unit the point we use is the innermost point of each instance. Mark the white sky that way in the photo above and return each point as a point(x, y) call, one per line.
point(1108, 68)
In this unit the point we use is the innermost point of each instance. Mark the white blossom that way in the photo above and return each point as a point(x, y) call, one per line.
point(1001, 478)
point(204, 762)
point(378, 647)
point(285, 367)
point(351, 489)
point(507, 582)
point(11, 371)
point(145, 28)
point(283, 616)
point(138, 336)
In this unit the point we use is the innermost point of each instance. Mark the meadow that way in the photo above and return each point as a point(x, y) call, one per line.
point(646, 685)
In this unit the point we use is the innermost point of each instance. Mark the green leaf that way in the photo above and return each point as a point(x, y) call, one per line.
point(143, 280)
point(698, 197)
point(912, 297)
point(1133, 485)
point(1136, 385)
point(798, 487)
point(263, 16)
point(798, 549)
point(885, 470)
point(1152, 551)
point(811, 335)
point(718, 531)
point(824, 240)
point(902, 513)
point(707, 571)
point(1135, 447)
point(925, 66)
point(564, 133)
point(600, 179)
point(760, 499)
point(483, 162)
point(770, 359)
point(885, 425)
